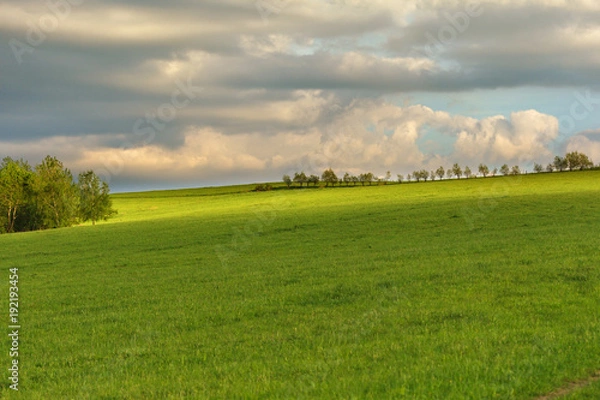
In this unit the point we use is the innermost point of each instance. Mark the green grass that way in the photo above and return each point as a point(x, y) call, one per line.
point(478, 289)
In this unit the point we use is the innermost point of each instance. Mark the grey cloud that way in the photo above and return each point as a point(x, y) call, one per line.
point(87, 80)
point(508, 46)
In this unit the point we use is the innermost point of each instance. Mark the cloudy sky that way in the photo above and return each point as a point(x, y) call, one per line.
point(182, 93)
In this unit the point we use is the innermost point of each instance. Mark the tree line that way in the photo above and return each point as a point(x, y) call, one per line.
point(570, 162)
point(47, 196)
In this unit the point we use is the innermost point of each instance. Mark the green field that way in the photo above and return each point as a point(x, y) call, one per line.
point(470, 289)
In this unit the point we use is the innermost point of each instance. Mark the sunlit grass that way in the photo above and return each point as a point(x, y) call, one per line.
point(486, 288)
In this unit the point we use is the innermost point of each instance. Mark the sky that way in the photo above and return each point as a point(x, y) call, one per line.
point(182, 93)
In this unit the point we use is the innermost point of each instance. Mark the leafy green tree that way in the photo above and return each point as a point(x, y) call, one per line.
point(440, 172)
point(55, 194)
point(94, 198)
point(329, 177)
point(300, 178)
point(287, 180)
point(576, 160)
point(495, 171)
point(421, 174)
point(347, 178)
point(484, 170)
point(586, 162)
point(572, 160)
point(15, 178)
point(537, 168)
point(366, 177)
point(515, 170)
point(550, 167)
point(355, 180)
point(457, 170)
point(467, 172)
point(560, 163)
point(450, 173)
point(504, 170)
point(400, 178)
point(362, 179)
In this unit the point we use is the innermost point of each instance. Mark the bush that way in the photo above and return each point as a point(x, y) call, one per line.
point(263, 188)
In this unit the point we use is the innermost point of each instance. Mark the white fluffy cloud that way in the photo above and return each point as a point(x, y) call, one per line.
point(358, 136)
point(587, 143)
point(526, 137)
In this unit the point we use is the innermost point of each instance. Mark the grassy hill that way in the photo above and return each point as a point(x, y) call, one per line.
point(481, 288)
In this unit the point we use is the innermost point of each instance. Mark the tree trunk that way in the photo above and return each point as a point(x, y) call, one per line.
point(14, 218)
point(9, 223)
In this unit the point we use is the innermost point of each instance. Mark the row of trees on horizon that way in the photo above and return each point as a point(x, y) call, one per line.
point(47, 196)
point(570, 162)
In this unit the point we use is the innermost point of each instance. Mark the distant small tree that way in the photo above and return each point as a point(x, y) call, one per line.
point(329, 177)
point(432, 175)
point(417, 175)
point(314, 179)
point(515, 170)
point(424, 174)
point(550, 167)
point(409, 177)
point(440, 172)
point(468, 172)
point(300, 178)
point(572, 160)
point(388, 176)
point(347, 178)
point(400, 178)
point(94, 199)
point(287, 180)
point(560, 163)
point(484, 170)
point(575, 160)
point(495, 171)
point(449, 173)
point(355, 180)
point(457, 170)
point(504, 170)
point(537, 168)
point(362, 178)
point(585, 162)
